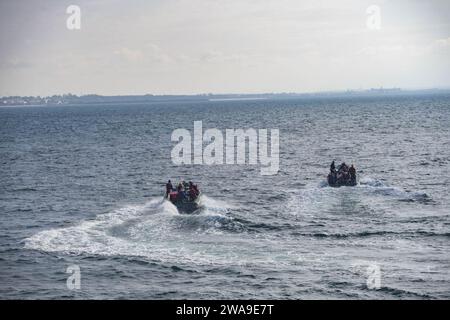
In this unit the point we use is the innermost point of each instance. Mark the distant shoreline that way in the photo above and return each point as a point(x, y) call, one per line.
point(70, 99)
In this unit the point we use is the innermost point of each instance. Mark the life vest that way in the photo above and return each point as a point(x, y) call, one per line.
point(173, 196)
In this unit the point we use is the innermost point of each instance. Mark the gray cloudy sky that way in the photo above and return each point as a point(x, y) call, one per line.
point(221, 46)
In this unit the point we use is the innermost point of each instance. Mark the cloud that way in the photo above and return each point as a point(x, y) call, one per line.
point(155, 53)
point(443, 42)
point(16, 63)
point(216, 56)
point(248, 45)
point(148, 53)
point(130, 54)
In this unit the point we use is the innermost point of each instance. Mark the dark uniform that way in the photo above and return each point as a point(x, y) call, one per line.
point(352, 172)
point(169, 188)
point(332, 167)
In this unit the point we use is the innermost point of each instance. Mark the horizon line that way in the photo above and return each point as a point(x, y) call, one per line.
point(359, 90)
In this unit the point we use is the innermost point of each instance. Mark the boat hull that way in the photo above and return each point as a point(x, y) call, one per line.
point(336, 183)
point(186, 206)
point(342, 184)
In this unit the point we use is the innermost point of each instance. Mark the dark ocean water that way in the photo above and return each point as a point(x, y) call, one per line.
point(82, 185)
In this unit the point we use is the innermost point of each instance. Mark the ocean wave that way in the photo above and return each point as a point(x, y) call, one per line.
point(155, 231)
point(379, 187)
point(401, 293)
point(364, 234)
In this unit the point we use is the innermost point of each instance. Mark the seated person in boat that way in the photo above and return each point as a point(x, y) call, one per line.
point(193, 191)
